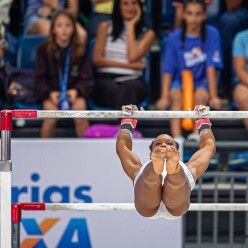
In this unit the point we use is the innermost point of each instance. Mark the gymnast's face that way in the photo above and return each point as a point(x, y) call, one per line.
point(164, 141)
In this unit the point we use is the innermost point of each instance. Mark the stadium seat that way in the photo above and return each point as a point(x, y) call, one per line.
point(26, 56)
point(148, 4)
point(147, 72)
point(214, 10)
point(168, 13)
point(24, 105)
point(27, 51)
point(22, 6)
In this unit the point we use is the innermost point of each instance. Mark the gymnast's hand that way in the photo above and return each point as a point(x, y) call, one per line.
point(202, 110)
point(130, 109)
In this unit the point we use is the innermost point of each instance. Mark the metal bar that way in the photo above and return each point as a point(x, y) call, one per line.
point(33, 206)
point(5, 179)
point(246, 217)
point(215, 223)
point(225, 174)
point(5, 209)
point(221, 207)
point(141, 114)
point(199, 215)
point(118, 114)
point(221, 144)
point(231, 215)
point(16, 220)
point(5, 146)
point(15, 243)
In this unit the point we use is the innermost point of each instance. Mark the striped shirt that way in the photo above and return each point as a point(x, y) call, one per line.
point(117, 51)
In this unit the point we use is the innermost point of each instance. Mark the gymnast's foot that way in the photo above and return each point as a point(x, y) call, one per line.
point(172, 160)
point(169, 154)
point(158, 158)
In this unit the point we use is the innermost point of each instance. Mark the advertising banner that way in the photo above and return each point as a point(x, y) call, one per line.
point(82, 171)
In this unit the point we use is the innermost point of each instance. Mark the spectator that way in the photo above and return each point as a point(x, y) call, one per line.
point(51, 80)
point(37, 18)
point(119, 56)
point(178, 4)
point(195, 47)
point(240, 62)
point(102, 12)
point(234, 20)
point(14, 83)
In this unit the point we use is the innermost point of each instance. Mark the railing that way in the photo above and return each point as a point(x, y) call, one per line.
point(216, 229)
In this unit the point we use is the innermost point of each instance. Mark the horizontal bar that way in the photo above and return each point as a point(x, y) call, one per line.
point(24, 113)
point(118, 114)
point(131, 207)
point(33, 206)
point(220, 144)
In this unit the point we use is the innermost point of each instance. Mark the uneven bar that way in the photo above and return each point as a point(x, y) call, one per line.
point(130, 207)
point(27, 114)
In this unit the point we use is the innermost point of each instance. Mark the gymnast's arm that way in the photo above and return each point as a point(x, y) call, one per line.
point(129, 160)
point(200, 160)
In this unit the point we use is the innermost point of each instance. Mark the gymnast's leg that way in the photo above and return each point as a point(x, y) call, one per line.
point(148, 191)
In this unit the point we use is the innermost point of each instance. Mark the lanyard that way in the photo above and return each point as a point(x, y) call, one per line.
point(63, 79)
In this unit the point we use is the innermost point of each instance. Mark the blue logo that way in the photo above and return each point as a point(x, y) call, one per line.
point(63, 194)
point(76, 234)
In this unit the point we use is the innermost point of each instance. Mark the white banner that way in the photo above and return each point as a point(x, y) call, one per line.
point(74, 170)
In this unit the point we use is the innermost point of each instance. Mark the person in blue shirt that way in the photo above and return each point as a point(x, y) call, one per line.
point(195, 47)
point(240, 63)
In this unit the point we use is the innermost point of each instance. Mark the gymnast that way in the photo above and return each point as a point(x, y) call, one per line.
point(163, 185)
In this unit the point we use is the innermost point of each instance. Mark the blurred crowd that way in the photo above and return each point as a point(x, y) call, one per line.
point(71, 54)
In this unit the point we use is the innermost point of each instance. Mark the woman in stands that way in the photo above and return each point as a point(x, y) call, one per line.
point(63, 75)
point(119, 56)
point(37, 19)
point(195, 47)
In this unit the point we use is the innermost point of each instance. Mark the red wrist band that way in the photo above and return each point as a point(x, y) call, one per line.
point(203, 124)
point(132, 122)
